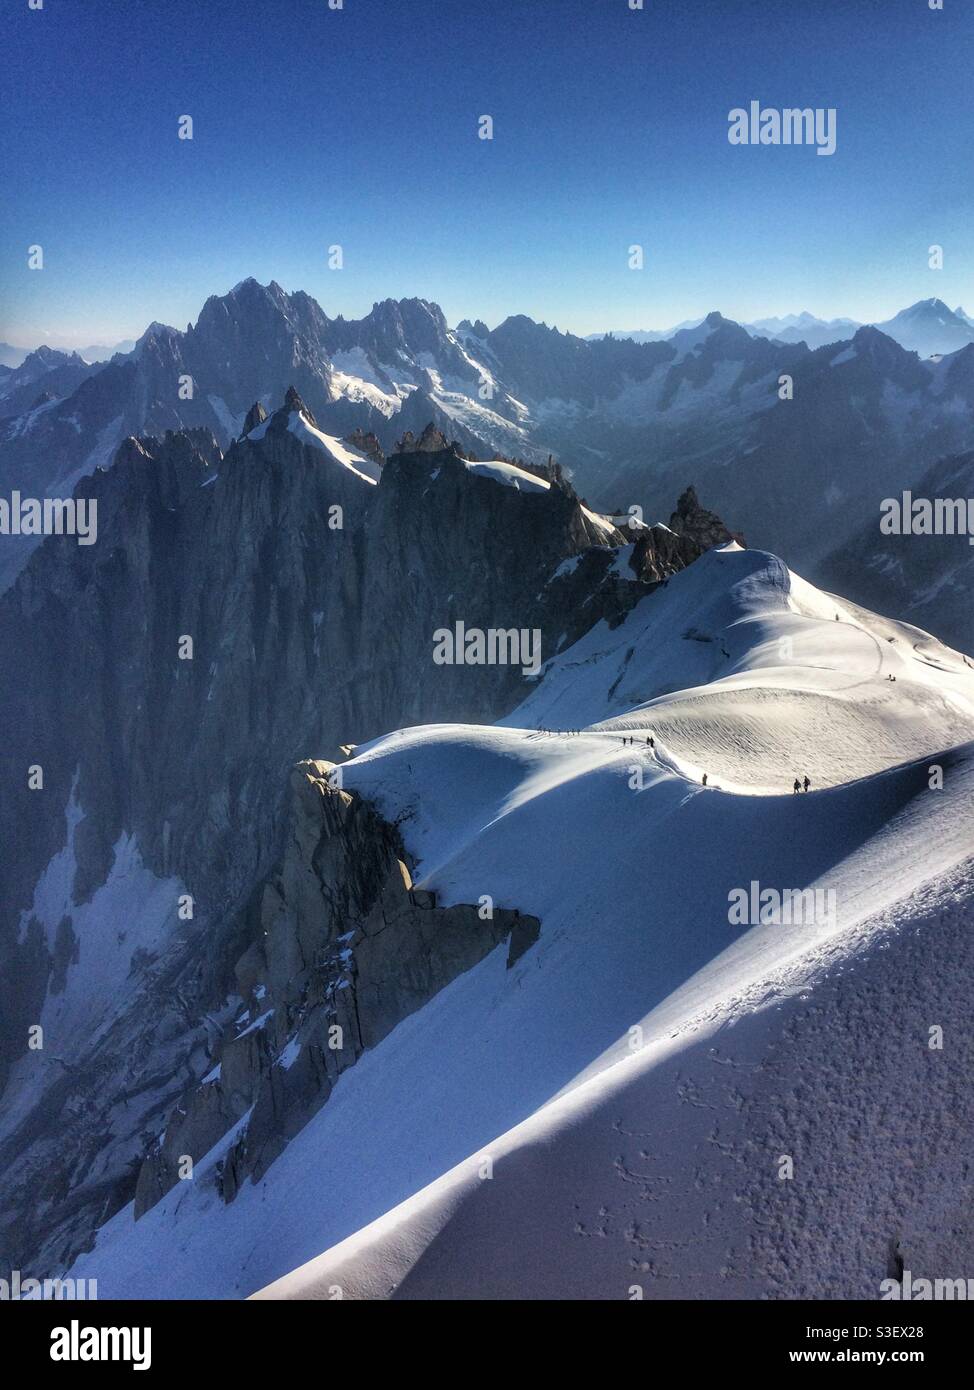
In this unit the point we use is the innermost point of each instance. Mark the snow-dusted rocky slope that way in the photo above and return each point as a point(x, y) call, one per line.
point(635, 1083)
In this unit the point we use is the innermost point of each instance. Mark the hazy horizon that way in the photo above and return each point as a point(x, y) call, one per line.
point(75, 342)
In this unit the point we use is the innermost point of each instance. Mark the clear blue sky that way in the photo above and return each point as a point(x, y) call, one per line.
point(360, 127)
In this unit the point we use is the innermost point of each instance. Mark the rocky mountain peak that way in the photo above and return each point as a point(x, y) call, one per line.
point(933, 305)
point(131, 449)
point(155, 332)
point(292, 401)
point(431, 441)
point(477, 329)
point(255, 416)
point(877, 345)
point(698, 524)
point(48, 356)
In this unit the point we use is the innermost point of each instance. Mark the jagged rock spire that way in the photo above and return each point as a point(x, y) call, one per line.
point(255, 416)
point(292, 401)
point(699, 524)
point(431, 441)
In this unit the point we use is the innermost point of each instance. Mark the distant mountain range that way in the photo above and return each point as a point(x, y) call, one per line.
point(799, 444)
point(927, 327)
point(11, 356)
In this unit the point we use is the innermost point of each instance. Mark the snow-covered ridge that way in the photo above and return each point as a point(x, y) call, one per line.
point(509, 475)
point(333, 448)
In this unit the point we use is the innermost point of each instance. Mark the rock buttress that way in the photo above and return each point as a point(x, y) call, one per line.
point(344, 949)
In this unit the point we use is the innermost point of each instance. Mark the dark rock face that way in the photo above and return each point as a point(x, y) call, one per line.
point(704, 528)
point(431, 441)
point(367, 443)
point(256, 415)
point(311, 598)
point(292, 401)
point(346, 950)
point(478, 329)
point(253, 341)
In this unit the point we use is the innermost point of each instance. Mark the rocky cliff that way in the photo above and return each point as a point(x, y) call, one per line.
point(344, 949)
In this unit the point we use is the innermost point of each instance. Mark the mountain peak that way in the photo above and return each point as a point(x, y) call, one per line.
point(156, 330)
point(256, 415)
point(700, 525)
point(293, 401)
point(871, 333)
point(928, 328)
point(250, 286)
point(478, 329)
point(431, 441)
point(924, 308)
point(49, 357)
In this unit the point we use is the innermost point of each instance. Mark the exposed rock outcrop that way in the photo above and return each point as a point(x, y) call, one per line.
point(293, 401)
point(367, 442)
point(700, 526)
point(431, 441)
point(256, 415)
point(346, 949)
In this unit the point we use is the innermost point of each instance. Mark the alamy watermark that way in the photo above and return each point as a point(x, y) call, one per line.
point(924, 516)
point(50, 516)
point(77, 1343)
point(755, 906)
point(792, 125)
point(493, 646)
point(912, 1290)
point(19, 1287)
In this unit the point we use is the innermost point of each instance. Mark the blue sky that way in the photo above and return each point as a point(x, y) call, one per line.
point(359, 127)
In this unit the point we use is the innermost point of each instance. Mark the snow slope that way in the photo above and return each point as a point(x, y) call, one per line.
point(328, 444)
point(660, 1178)
point(647, 1062)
